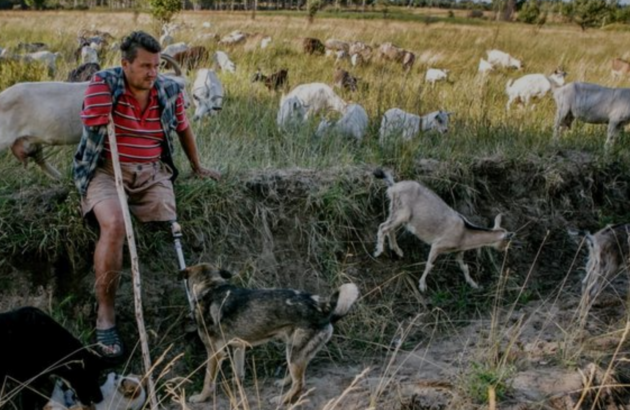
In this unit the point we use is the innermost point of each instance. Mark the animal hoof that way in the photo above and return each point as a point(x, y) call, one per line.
point(198, 398)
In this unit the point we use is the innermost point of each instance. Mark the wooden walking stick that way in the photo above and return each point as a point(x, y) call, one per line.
point(135, 271)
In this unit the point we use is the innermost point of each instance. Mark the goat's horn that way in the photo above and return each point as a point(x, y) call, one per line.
point(497, 221)
point(176, 67)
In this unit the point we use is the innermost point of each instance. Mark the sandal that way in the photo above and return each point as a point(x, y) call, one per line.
point(108, 343)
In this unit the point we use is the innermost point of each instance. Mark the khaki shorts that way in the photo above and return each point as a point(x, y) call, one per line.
point(148, 186)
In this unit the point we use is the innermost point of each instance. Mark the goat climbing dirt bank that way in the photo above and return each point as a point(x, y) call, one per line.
point(428, 217)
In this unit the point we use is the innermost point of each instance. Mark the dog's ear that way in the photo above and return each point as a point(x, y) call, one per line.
point(225, 274)
point(183, 274)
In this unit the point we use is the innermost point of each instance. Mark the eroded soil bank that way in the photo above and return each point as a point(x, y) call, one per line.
point(521, 333)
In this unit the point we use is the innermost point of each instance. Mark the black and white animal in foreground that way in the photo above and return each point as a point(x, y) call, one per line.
point(431, 220)
point(34, 346)
point(119, 393)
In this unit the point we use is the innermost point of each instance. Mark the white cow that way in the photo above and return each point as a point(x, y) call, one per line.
point(207, 93)
point(396, 121)
point(224, 63)
point(353, 123)
point(317, 97)
point(532, 86)
point(502, 59)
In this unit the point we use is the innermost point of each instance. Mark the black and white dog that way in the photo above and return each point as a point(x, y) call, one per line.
point(34, 346)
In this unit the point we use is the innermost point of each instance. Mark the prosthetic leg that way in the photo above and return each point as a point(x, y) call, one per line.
point(177, 235)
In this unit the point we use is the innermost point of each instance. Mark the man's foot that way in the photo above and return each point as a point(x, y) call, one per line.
point(108, 343)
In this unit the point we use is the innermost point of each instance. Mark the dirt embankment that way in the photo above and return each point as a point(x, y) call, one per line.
point(313, 230)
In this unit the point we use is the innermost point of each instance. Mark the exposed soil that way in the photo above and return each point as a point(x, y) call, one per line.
point(525, 320)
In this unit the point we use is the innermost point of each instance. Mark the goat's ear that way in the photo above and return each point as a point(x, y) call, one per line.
point(225, 274)
point(497, 221)
point(183, 274)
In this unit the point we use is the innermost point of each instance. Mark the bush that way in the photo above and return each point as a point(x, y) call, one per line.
point(164, 10)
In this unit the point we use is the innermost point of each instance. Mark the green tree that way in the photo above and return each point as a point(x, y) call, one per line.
point(530, 13)
point(164, 10)
point(589, 13)
point(36, 4)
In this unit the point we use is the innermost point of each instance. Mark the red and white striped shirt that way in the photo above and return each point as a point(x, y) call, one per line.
point(139, 135)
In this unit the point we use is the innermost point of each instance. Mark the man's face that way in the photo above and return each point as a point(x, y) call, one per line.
point(142, 72)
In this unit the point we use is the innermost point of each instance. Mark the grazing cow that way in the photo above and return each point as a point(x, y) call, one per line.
point(619, 67)
point(396, 120)
point(353, 123)
point(502, 59)
point(533, 86)
point(84, 72)
point(343, 79)
point(592, 104)
point(207, 92)
point(274, 81)
point(313, 46)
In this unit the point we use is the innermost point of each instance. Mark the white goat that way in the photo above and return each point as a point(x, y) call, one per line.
point(32, 114)
point(353, 123)
point(207, 93)
point(532, 86)
point(222, 60)
point(502, 59)
point(484, 67)
point(317, 97)
point(49, 59)
point(89, 55)
point(175, 48)
point(431, 220)
point(396, 120)
point(119, 393)
point(235, 37)
point(434, 75)
point(608, 252)
point(291, 114)
point(592, 104)
point(264, 42)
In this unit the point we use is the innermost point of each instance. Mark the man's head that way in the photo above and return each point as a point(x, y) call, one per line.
point(140, 60)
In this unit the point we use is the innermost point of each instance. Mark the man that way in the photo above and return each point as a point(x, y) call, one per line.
point(145, 108)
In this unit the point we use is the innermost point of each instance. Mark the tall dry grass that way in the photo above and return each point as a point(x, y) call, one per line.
point(244, 139)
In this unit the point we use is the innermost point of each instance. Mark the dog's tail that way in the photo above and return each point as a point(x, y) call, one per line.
point(386, 175)
point(342, 300)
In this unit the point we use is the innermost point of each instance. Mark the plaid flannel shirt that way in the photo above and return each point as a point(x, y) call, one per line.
point(89, 153)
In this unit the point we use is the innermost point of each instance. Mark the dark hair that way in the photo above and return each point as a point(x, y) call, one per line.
point(134, 41)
